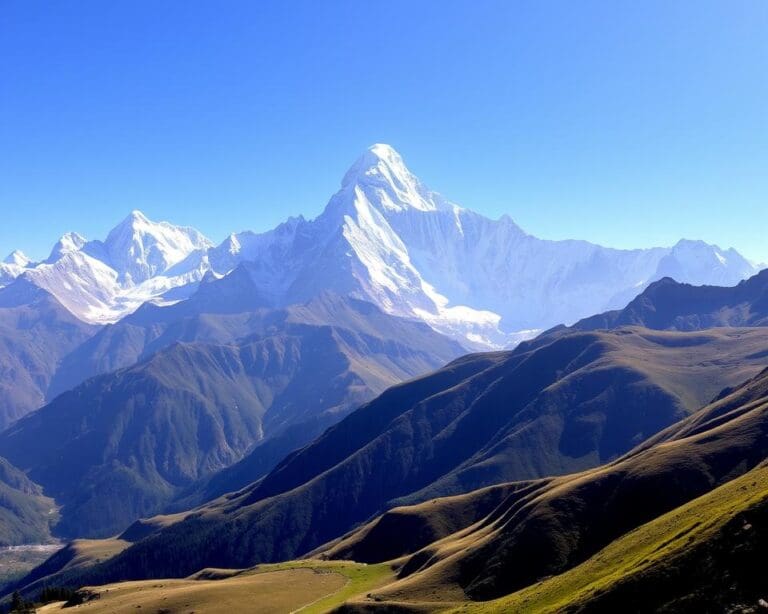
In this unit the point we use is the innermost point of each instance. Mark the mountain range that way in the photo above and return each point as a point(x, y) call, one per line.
point(308, 392)
point(604, 459)
point(567, 401)
point(386, 238)
point(214, 387)
point(668, 305)
point(95, 306)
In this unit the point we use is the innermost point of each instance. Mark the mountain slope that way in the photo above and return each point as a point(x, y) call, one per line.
point(561, 522)
point(225, 310)
point(124, 444)
point(669, 305)
point(678, 524)
point(12, 266)
point(26, 515)
point(552, 406)
point(36, 332)
point(703, 556)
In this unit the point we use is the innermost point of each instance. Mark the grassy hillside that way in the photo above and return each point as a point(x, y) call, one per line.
point(679, 524)
point(311, 587)
point(703, 556)
point(563, 522)
point(404, 530)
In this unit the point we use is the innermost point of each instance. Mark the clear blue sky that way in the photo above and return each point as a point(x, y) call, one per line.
point(622, 122)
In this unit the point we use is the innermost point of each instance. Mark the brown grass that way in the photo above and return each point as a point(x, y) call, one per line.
point(275, 592)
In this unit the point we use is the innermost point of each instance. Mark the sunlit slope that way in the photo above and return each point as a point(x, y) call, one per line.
point(556, 525)
point(707, 555)
point(305, 586)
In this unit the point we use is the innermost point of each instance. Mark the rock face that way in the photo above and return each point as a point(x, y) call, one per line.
point(386, 238)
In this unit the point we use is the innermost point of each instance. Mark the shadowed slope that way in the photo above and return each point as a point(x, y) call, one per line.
point(36, 333)
point(226, 310)
point(706, 556)
point(123, 445)
point(679, 525)
point(25, 514)
point(667, 305)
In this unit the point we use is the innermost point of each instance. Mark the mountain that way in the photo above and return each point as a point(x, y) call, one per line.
point(122, 445)
point(222, 311)
point(558, 404)
point(678, 524)
point(26, 515)
point(717, 565)
point(36, 332)
point(101, 281)
point(68, 243)
point(12, 266)
point(669, 305)
point(386, 238)
point(139, 249)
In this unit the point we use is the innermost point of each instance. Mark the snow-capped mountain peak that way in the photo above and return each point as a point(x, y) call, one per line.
point(17, 258)
point(69, 242)
point(689, 259)
point(139, 248)
point(101, 281)
point(12, 266)
point(383, 177)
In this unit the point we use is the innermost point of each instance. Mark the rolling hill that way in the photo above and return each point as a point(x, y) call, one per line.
point(704, 556)
point(640, 534)
point(678, 524)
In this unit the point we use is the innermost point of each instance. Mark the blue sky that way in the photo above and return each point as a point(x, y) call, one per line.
point(625, 123)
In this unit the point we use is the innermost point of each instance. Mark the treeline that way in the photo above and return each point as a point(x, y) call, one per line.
point(49, 594)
